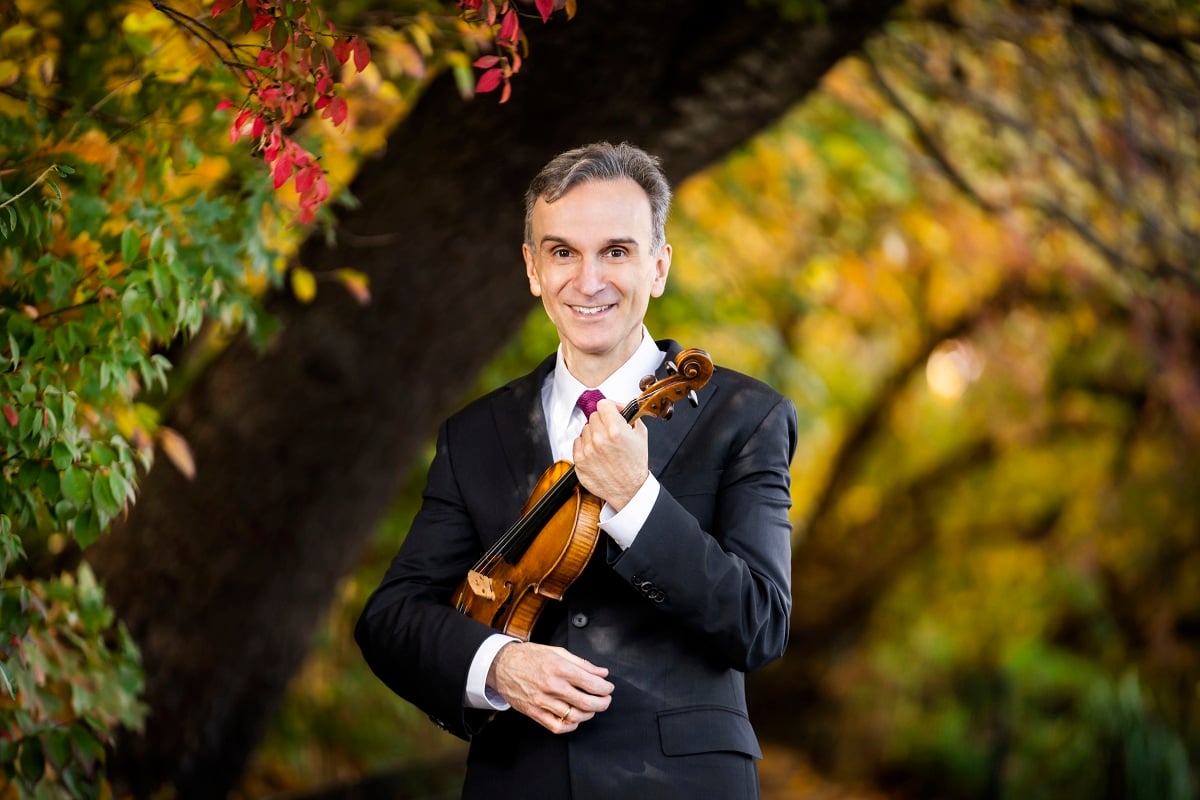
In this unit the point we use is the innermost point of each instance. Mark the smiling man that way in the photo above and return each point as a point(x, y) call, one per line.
point(633, 684)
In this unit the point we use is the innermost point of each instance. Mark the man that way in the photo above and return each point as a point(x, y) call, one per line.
point(632, 686)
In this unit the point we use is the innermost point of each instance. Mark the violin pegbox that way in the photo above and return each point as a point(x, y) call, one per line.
point(688, 373)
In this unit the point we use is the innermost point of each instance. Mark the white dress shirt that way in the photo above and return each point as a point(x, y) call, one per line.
point(564, 421)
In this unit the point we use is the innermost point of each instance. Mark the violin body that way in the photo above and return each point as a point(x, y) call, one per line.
point(509, 596)
point(542, 554)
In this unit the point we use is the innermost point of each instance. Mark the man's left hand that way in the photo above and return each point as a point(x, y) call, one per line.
point(611, 456)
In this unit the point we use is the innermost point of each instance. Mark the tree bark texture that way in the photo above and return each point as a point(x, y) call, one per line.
point(301, 449)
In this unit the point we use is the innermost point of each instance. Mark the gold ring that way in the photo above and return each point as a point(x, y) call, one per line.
point(563, 719)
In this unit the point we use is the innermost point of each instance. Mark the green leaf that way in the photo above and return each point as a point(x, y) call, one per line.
point(48, 482)
point(103, 454)
point(77, 485)
point(158, 243)
point(58, 747)
point(130, 245)
point(87, 527)
point(61, 455)
point(7, 681)
point(15, 350)
point(103, 496)
point(32, 762)
point(279, 35)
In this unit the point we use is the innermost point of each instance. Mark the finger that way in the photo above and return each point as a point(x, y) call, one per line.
point(581, 662)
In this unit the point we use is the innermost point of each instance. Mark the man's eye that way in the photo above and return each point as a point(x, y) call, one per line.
point(616, 252)
point(561, 252)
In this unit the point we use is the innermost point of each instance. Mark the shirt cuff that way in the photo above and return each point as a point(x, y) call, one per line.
point(478, 694)
point(623, 525)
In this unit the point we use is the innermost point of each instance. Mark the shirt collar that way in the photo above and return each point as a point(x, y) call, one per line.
point(621, 386)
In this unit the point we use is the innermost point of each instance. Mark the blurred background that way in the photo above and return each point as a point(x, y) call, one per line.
point(961, 236)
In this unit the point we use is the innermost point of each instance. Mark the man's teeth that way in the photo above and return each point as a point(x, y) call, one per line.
point(591, 309)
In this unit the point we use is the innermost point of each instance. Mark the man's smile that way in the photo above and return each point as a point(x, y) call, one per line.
point(589, 311)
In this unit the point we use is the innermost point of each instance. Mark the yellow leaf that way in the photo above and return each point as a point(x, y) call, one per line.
point(10, 73)
point(17, 36)
point(304, 285)
point(177, 449)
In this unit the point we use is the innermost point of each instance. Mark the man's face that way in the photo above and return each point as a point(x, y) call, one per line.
point(591, 263)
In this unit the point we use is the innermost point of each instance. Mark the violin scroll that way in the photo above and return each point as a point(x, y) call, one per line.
point(688, 373)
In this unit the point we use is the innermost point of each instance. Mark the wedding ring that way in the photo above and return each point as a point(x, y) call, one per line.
point(563, 719)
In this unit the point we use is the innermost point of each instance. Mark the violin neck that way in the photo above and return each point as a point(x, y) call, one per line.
point(525, 530)
point(516, 539)
point(631, 410)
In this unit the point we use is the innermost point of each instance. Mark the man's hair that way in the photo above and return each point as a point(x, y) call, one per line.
point(602, 161)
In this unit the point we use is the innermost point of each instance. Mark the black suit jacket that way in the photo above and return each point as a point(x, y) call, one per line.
point(699, 598)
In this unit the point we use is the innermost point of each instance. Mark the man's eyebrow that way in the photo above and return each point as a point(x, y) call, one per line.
point(624, 241)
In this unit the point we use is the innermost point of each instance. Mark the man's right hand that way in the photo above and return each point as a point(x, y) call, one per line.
point(550, 685)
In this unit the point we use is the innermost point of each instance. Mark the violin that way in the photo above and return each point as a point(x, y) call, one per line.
point(546, 549)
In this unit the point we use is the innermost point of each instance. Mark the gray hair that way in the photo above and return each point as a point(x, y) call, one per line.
point(602, 161)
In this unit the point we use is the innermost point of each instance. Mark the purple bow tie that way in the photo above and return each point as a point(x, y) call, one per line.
point(587, 401)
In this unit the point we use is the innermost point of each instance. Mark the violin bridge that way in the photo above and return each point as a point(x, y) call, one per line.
point(481, 585)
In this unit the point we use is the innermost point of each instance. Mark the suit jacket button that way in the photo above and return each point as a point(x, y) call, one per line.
point(656, 595)
point(579, 620)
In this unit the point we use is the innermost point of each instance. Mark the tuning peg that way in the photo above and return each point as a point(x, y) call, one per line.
point(671, 368)
point(646, 382)
point(668, 412)
point(693, 398)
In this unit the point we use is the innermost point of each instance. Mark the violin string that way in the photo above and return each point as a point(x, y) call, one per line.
point(511, 537)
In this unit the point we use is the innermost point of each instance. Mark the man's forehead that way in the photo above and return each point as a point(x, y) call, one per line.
point(612, 198)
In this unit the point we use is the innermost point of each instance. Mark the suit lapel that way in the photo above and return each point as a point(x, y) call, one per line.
point(521, 426)
point(666, 435)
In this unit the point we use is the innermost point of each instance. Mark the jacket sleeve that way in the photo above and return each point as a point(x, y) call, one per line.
point(408, 633)
point(731, 583)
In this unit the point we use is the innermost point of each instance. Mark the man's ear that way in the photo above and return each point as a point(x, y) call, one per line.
point(662, 266)
point(535, 285)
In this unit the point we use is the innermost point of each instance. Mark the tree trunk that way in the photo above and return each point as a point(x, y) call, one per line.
point(300, 449)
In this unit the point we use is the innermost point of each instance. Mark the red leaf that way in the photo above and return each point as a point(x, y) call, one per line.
point(545, 8)
point(489, 80)
point(224, 105)
point(261, 21)
point(306, 177)
point(505, 92)
point(257, 126)
point(362, 53)
point(508, 27)
point(282, 170)
point(341, 50)
point(221, 6)
point(483, 62)
point(337, 107)
point(10, 414)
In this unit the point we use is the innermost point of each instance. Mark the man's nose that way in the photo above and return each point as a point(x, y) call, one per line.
point(589, 278)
